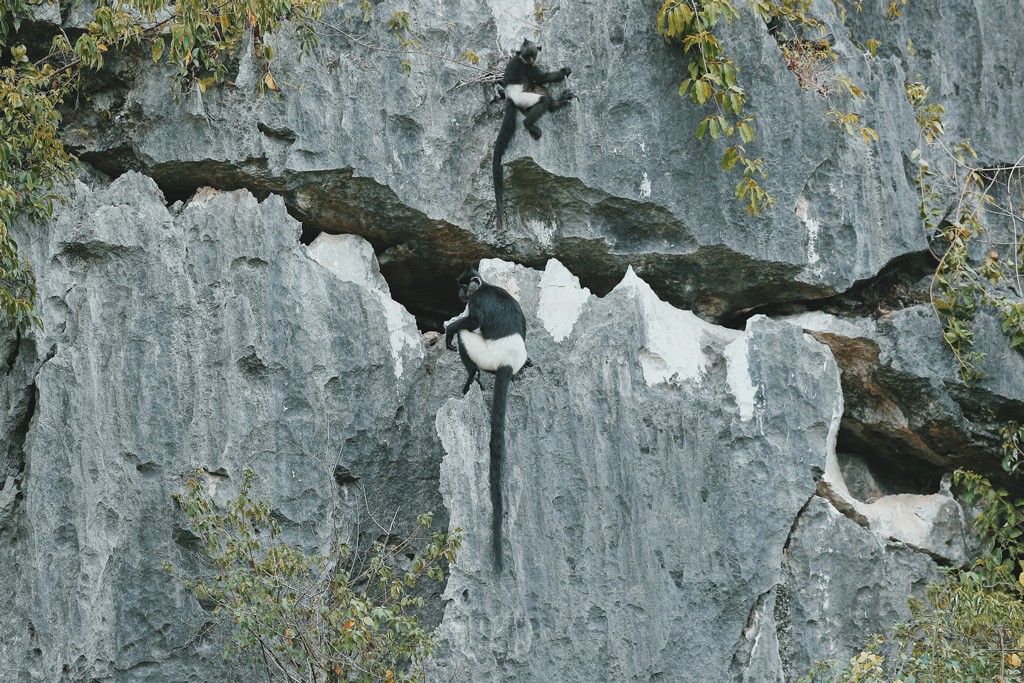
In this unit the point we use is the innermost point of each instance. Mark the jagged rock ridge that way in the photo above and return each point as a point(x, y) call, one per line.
point(617, 180)
point(677, 508)
point(655, 490)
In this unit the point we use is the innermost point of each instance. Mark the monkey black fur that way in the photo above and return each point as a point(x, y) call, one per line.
point(524, 92)
point(492, 337)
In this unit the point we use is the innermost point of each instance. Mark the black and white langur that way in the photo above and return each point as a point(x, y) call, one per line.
point(492, 337)
point(524, 92)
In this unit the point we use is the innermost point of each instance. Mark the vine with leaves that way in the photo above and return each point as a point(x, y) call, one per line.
point(712, 77)
point(33, 162)
point(960, 201)
point(712, 80)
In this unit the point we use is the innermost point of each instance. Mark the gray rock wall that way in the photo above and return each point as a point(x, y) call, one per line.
point(654, 480)
point(676, 505)
point(355, 146)
point(839, 574)
point(175, 341)
point(658, 465)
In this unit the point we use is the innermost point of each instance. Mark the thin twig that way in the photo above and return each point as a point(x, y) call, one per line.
point(535, 26)
point(401, 51)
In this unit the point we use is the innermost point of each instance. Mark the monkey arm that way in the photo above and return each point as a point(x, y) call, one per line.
point(538, 75)
point(465, 323)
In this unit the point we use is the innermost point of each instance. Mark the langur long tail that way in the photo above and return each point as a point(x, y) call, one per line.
point(508, 129)
point(503, 378)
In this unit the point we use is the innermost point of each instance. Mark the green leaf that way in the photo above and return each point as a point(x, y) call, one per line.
point(746, 132)
point(715, 128)
point(702, 91)
point(729, 74)
point(729, 159)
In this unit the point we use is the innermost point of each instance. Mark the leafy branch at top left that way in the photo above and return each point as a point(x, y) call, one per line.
point(198, 38)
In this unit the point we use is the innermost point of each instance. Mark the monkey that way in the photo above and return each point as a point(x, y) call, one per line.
point(492, 337)
point(524, 91)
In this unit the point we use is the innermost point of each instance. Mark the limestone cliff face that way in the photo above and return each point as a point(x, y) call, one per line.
point(685, 500)
point(355, 146)
point(177, 341)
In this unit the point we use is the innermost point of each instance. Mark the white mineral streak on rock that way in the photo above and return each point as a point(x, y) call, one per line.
point(561, 300)
point(543, 231)
point(351, 258)
point(813, 230)
point(645, 187)
point(672, 340)
point(738, 376)
point(502, 274)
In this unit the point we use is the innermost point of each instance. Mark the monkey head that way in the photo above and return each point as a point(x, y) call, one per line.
point(529, 52)
point(469, 282)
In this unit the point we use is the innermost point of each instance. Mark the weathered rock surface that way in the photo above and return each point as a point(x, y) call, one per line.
point(910, 420)
point(905, 402)
point(355, 146)
point(638, 499)
point(838, 575)
point(201, 336)
point(657, 464)
point(676, 506)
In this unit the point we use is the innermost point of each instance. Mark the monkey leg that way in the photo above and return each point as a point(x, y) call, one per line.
point(473, 372)
point(534, 113)
point(473, 375)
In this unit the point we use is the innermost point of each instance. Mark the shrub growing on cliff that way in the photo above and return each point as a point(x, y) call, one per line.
point(967, 628)
point(962, 631)
point(310, 617)
point(961, 202)
point(32, 162)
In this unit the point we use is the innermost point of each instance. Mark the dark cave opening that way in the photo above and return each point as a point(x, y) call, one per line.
point(897, 285)
point(421, 259)
point(869, 477)
point(309, 233)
